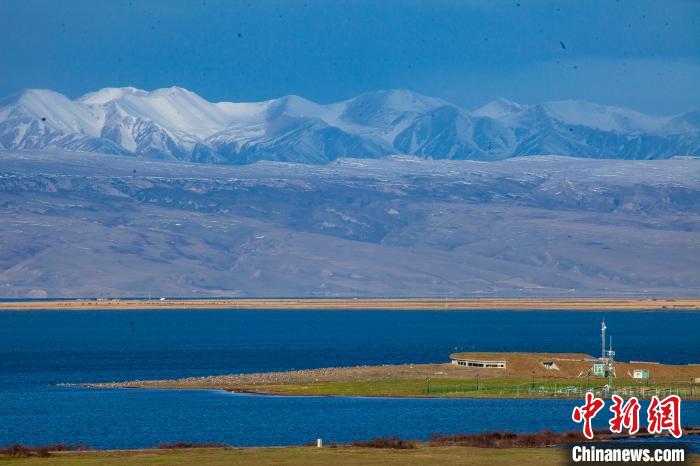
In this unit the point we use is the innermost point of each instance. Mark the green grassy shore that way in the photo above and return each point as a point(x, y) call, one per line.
point(451, 455)
point(484, 388)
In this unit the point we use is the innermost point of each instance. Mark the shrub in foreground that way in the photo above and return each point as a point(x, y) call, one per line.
point(543, 438)
point(392, 442)
point(24, 451)
point(180, 445)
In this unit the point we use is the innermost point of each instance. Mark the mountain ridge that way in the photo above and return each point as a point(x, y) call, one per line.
point(85, 224)
point(177, 124)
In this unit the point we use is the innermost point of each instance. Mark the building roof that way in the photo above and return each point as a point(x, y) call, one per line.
point(569, 364)
point(509, 356)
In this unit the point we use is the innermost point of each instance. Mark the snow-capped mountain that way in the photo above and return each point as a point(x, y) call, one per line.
point(175, 123)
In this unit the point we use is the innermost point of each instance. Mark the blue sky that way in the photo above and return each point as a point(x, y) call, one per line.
point(640, 54)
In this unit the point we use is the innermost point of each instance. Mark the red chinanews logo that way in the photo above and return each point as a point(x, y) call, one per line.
point(662, 415)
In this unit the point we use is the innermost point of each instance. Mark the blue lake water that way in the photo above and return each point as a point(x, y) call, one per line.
point(41, 349)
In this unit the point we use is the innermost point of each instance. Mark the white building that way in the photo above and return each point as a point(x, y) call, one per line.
point(458, 361)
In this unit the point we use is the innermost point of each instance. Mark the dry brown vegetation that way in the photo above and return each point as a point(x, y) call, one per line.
point(392, 442)
point(24, 451)
point(544, 438)
point(181, 445)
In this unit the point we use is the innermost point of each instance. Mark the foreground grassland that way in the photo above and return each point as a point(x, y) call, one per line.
point(398, 304)
point(307, 456)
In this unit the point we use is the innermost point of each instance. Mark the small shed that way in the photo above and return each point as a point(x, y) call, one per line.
point(550, 365)
point(599, 369)
point(640, 374)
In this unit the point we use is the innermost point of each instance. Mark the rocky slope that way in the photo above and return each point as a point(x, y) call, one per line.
point(77, 224)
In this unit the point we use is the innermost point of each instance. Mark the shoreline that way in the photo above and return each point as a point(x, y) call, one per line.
point(362, 304)
point(246, 392)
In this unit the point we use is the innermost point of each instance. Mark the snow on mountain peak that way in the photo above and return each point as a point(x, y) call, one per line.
point(37, 100)
point(603, 117)
point(396, 100)
point(51, 109)
point(174, 108)
point(109, 94)
point(177, 123)
point(499, 108)
point(293, 105)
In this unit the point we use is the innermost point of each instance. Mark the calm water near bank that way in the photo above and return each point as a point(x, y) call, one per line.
point(40, 349)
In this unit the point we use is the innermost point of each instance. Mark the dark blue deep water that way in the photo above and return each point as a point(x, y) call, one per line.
point(41, 349)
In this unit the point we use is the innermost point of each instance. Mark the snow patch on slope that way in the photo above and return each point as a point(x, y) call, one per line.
point(51, 108)
point(615, 119)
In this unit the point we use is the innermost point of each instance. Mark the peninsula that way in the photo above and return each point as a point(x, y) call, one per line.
point(488, 375)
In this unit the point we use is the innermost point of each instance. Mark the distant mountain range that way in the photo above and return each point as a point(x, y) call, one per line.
point(177, 124)
point(85, 224)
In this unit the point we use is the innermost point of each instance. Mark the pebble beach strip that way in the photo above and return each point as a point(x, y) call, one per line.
point(327, 374)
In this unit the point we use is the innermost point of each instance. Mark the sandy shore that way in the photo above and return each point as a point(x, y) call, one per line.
point(395, 304)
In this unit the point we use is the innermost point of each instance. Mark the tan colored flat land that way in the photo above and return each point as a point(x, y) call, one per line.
point(453, 455)
point(525, 376)
point(395, 304)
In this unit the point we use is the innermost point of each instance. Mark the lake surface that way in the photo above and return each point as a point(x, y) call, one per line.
point(41, 349)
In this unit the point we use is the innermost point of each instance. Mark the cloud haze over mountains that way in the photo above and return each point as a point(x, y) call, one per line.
point(177, 124)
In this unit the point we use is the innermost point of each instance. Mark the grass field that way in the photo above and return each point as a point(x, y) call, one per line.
point(487, 387)
point(308, 456)
point(433, 387)
point(302, 455)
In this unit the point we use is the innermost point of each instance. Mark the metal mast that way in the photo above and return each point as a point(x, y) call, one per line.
point(602, 339)
point(611, 364)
